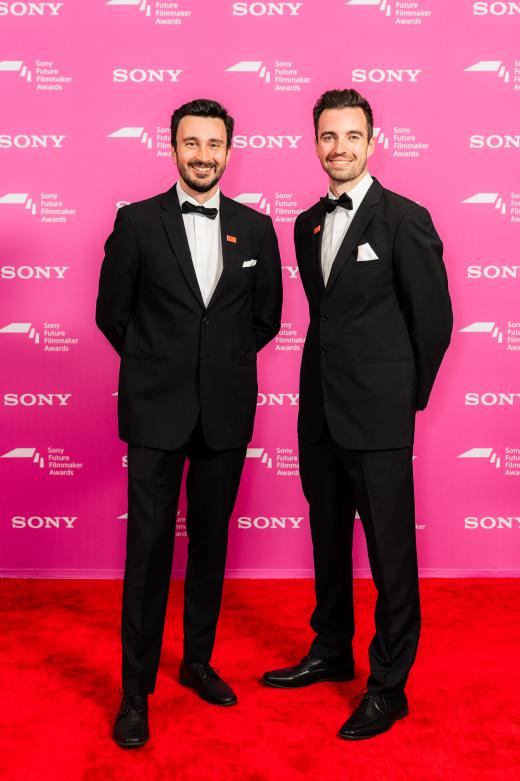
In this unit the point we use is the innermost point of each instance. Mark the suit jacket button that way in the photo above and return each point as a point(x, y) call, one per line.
point(324, 316)
point(206, 321)
point(324, 350)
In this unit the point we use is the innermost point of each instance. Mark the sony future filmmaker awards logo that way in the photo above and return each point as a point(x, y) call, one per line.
point(401, 142)
point(165, 12)
point(507, 460)
point(507, 73)
point(288, 339)
point(285, 460)
point(49, 337)
point(488, 201)
point(180, 523)
point(489, 329)
point(49, 206)
point(283, 207)
point(402, 12)
point(56, 462)
point(157, 141)
point(282, 75)
point(44, 75)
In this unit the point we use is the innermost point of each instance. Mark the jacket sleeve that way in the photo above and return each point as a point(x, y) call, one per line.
point(422, 288)
point(267, 303)
point(117, 281)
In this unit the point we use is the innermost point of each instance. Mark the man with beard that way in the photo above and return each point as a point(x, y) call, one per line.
point(190, 291)
point(380, 321)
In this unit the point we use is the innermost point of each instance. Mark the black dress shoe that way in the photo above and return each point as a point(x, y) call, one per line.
point(309, 670)
point(207, 683)
point(374, 714)
point(131, 724)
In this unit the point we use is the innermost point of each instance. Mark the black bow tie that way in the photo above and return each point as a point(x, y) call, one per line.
point(329, 204)
point(189, 208)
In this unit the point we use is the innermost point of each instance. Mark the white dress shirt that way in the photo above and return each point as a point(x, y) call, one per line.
point(205, 243)
point(337, 224)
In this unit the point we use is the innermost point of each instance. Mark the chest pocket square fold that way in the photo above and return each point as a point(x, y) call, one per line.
point(365, 252)
point(249, 263)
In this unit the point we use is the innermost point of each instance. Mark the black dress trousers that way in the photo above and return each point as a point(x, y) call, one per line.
point(379, 484)
point(154, 482)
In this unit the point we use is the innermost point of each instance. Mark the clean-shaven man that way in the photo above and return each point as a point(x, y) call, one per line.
point(380, 321)
point(190, 291)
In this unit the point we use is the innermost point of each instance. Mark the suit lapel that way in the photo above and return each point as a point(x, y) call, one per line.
point(361, 219)
point(230, 238)
point(172, 218)
point(317, 221)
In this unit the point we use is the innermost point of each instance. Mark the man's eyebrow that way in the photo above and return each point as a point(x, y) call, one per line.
point(347, 133)
point(211, 140)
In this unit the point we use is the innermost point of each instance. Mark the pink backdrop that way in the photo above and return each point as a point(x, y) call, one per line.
point(87, 89)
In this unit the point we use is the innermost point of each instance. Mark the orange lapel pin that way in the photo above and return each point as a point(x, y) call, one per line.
point(317, 229)
point(232, 239)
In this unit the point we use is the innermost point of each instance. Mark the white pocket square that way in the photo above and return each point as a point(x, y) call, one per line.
point(365, 252)
point(249, 263)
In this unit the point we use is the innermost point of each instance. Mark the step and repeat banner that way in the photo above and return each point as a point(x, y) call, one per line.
point(87, 90)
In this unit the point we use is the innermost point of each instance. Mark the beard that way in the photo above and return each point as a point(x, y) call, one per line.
point(185, 172)
point(349, 174)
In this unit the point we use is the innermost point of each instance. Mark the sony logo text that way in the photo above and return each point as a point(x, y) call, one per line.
point(30, 9)
point(492, 399)
point(494, 141)
point(140, 75)
point(36, 399)
point(25, 141)
point(43, 522)
point(377, 75)
point(271, 522)
point(33, 272)
point(492, 522)
point(496, 9)
point(277, 399)
point(493, 272)
point(266, 9)
point(266, 142)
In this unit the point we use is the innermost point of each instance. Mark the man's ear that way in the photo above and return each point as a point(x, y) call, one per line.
point(371, 146)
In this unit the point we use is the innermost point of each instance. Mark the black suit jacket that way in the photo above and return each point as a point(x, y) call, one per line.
point(179, 358)
point(378, 330)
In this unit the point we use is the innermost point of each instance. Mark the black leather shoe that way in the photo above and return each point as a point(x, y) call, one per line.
point(207, 683)
point(309, 670)
point(374, 714)
point(131, 724)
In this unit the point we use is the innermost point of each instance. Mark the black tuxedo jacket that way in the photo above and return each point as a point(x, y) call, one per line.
point(378, 330)
point(180, 358)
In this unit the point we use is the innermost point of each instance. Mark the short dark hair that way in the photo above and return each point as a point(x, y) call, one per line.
point(343, 98)
point(201, 108)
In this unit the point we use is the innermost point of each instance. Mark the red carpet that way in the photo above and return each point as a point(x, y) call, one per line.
point(60, 678)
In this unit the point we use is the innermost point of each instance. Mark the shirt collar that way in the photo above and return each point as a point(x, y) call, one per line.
point(358, 192)
point(212, 203)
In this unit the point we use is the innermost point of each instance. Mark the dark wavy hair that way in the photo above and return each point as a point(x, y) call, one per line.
point(343, 98)
point(201, 108)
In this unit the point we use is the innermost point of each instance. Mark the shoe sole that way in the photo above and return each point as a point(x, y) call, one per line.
point(332, 678)
point(188, 685)
point(131, 745)
point(366, 737)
